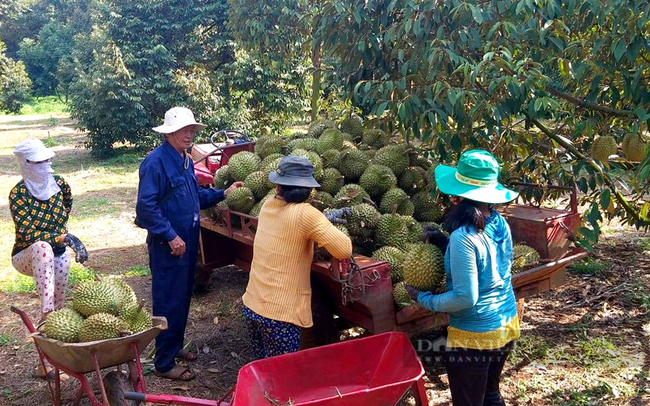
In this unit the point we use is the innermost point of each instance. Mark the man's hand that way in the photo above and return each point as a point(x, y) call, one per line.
point(81, 255)
point(233, 187)
point(413, 292)
point(338, 216)
point(178, 246)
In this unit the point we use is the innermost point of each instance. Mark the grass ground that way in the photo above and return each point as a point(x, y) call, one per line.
point(586, 343)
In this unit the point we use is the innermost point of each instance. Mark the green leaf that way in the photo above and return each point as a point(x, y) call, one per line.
point(605, 199)
point(381, 108)
point(619, 49)
point(588, 234)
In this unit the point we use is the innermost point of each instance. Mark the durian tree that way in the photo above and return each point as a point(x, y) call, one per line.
point(537, 82)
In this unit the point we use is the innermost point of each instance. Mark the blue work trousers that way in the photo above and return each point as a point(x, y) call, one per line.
point(173, 280)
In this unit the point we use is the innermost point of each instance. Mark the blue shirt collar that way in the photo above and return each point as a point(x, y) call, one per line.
point(171, 151)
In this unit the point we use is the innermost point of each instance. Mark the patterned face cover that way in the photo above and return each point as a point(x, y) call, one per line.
point(38, 179)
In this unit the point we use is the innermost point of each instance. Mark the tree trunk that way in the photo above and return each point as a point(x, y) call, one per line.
point(316, 81)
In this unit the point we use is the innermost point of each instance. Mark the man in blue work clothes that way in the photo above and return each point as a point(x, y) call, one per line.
point(169, 200)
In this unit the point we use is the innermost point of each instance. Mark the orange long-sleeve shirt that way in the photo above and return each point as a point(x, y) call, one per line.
point(278, 286)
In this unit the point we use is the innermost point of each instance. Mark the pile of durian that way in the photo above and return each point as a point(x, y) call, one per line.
point(388, 185)
point(100, 310)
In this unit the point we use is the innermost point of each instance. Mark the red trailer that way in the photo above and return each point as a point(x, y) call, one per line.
point(365, 299)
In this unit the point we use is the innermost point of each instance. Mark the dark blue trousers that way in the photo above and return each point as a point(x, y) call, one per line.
point(173, 280)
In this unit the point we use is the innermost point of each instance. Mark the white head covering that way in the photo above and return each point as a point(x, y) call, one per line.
point(177, 118)
point(37, 177)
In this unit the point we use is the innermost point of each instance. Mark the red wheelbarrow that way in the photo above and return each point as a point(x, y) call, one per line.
point(78, 359)
point(377, 370)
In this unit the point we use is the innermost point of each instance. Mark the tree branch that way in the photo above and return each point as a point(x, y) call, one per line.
point(632, 212)
point(589, 105)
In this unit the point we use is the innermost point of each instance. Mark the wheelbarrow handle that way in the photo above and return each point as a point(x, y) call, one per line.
point(25, 317)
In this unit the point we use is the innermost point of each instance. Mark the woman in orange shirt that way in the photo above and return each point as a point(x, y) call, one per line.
point(277, 302)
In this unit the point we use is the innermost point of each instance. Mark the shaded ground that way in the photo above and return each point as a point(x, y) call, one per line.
point(585, 343)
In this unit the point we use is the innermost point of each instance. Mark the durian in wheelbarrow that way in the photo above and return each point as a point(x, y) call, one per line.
point(92, 297)
point(63, 325)
point(136, 316)
point(102, 326)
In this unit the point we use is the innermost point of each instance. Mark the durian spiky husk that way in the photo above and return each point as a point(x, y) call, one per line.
point(634, 147)
point(401, 296)
point(395, 257)
point(523, 257)
point(101, 326)
point(603, 147)
point(63, 325)
point(93, 297)
point(424, 268)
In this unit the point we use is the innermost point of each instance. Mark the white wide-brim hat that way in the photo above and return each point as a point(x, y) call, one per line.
point(177, 118)
point(33, 150)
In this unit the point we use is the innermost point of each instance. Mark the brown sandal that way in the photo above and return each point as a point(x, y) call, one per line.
point(176, 373)
point(186, 355)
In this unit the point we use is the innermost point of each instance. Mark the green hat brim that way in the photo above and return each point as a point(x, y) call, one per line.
point(449, 185)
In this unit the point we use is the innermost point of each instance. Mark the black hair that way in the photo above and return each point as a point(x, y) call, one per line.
point(294, 194)
point(464, 214)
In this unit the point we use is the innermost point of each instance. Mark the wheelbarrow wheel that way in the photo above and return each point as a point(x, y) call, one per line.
point(116, 384)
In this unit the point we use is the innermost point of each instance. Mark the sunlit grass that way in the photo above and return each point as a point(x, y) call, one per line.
point(44, 105)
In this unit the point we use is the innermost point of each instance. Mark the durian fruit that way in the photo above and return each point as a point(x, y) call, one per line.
point(308, 144)
point(330, 139)
point(63, 325)
point(370, 153)
point(126, 293)
point(523, 257)
point(431, 180)
point(331, 158)
point(141, 321)
point(413, 180)
point(353, 163)
point(634, 147)
point(395, 257)
point(240, 199)
point(423, 162)
point(401, 296)
point(321, 200)
point(603, 147)
point(268, 145)
point(353, 126)
point(377, 180)
point(258, 182)
point(350, 195)
point(255, 211)
point(243, 164)
point(91, 297)
point(343, 229)
point(393, 156)
point(128, 311)
point(424, 268)
point(317, 127)
point(222, 178)
point(391, 231)
point(271, 165)
point(426, 207)
point(332, 181)
point(315, 160)
point(101, 326)
point(413, 230)
point(396, 201)
point(373, 138)
point(363, 220)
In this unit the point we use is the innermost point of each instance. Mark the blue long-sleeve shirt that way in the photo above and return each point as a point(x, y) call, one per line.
point(169, 196)
point(479, 296)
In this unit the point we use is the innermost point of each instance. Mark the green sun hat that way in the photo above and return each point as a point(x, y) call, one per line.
point(474, 178)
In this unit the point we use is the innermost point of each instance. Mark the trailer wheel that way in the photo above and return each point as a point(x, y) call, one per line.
point(324, 331)
point(116, 384)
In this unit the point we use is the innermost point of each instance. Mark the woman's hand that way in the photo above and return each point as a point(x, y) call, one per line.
point(413, 292)
point(338, 216)
point(233, 187)
point(178, 246)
